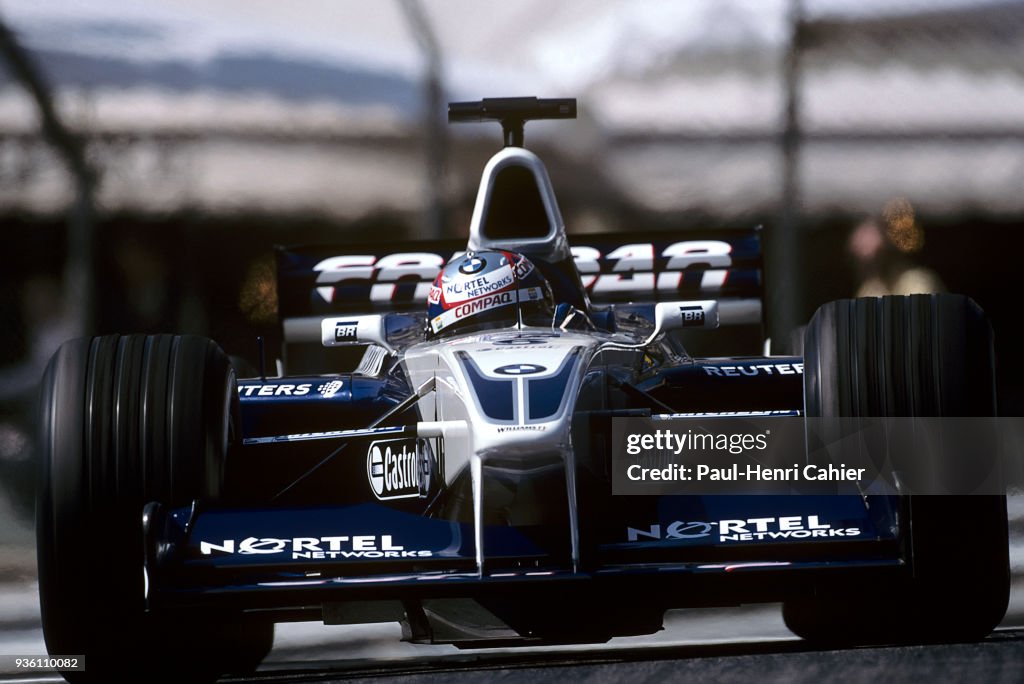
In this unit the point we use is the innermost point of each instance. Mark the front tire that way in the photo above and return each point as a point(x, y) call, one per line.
point(921, 355)
point(124, 420)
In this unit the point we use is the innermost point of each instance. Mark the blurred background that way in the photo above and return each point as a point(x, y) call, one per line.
point(151, 154)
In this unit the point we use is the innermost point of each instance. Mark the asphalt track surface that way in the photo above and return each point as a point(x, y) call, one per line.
point(746, 644)
point(1000, 658)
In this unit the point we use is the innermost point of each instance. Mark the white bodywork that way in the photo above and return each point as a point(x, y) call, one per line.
point(469, 370)
point(517, 389)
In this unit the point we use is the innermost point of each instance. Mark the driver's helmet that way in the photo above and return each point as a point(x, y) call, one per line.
point(486, 290)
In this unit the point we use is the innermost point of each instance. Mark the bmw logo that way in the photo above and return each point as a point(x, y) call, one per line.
point(472, 265)
point(520, 369)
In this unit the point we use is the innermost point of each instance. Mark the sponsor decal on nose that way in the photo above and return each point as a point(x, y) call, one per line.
point(393, 469)
point(520, 369)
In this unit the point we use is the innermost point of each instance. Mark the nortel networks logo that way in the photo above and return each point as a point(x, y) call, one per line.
point(355, 547)
point(751, 529)
point(393, 469)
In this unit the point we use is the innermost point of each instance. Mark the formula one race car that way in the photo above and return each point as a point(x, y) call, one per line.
point(434, 450)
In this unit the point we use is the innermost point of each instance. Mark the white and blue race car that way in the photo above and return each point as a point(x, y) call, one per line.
point(435, 449)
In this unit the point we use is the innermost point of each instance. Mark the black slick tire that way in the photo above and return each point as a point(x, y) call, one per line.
point(919, 355)
point(125, 420)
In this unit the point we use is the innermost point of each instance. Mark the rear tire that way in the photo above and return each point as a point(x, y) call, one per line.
point(922, 355)
point(125, 420)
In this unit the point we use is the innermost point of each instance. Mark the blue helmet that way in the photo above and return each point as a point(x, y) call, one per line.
point(490, 289)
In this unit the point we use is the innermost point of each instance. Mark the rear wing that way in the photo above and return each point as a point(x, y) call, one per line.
point(726, 266)
point(314, 281)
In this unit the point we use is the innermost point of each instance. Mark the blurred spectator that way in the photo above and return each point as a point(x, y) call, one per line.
point(881, 255)
point(258, 296)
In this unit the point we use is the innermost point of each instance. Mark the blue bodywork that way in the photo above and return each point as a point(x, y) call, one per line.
point(291, 542)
